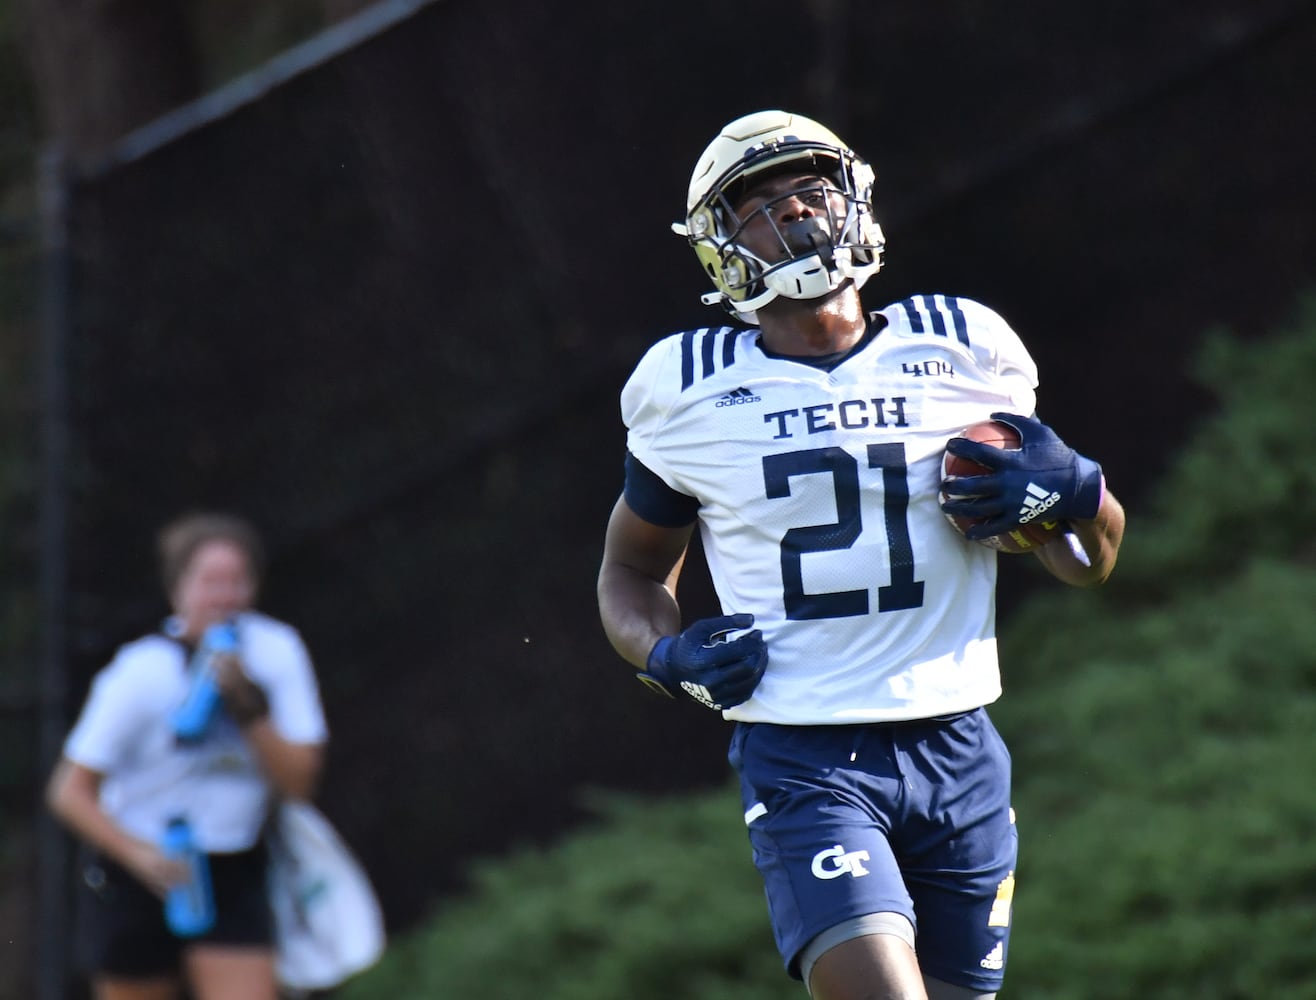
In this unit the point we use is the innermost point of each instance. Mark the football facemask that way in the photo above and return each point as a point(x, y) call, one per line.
point(817, 255)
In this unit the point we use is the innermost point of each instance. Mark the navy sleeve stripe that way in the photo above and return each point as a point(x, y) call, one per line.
point(912, 313)
point(957, 317)
point(938, 320)
point(708, 353)
point(709, 344)
point(687, 359)
point(938, 316)
point(655, 501)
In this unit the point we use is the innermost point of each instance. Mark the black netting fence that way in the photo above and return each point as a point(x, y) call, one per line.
point(385, 308)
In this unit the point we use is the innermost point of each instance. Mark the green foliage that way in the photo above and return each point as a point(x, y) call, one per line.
point(1162, 790)
point(1161, 727)
point(1232, 492)
point(657, 900)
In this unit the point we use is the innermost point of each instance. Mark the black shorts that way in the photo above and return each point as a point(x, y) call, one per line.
point(123, 926)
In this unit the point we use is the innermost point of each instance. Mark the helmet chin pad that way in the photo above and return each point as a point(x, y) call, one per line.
point(809, 277)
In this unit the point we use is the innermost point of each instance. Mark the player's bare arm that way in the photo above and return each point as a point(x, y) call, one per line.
point(637, 582)
point(715, 661)
point(1100, 540)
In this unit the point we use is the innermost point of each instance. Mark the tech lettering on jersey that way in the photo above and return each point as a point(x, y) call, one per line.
point(849, 414)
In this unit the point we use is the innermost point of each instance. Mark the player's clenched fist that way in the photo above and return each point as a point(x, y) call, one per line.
point(716, 671)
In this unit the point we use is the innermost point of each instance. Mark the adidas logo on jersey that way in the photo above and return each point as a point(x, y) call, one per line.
point(1036, 503)
point(737, 397)
point(995, 959)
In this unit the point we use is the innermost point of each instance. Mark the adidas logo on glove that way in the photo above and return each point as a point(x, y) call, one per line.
point(700, 694)
point(1036, 503)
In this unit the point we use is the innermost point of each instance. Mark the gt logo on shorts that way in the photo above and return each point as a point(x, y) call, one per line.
point(836, 861)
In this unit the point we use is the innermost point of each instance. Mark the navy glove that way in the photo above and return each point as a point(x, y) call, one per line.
point(715, 671)
point(1044, 479)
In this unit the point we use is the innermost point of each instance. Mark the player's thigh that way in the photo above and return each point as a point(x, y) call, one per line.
point(875, 965)
point(960, 870)
point(230, 972)
point(819, 840)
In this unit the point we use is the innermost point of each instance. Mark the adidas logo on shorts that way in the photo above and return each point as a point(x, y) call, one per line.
point(995, 959)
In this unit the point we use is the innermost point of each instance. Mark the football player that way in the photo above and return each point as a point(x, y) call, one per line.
point(857, 648)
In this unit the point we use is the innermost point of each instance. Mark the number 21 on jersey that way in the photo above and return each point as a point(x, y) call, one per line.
point(885, 461)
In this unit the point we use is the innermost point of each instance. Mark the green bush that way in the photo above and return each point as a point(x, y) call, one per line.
point(1164, 805)
point(1245, 472)
point(1161, 728)
point(656, 900)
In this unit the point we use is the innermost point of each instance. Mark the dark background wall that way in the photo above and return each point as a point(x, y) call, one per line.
point(386, 309)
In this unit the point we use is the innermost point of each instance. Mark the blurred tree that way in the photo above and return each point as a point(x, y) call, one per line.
point(336, 10)
point(101, 68)
point(104, 67)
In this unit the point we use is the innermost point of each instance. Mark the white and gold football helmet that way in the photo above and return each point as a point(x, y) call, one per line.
point(752, 147)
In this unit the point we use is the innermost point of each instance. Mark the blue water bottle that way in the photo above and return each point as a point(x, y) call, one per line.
point(190, 905)
point(192, 718)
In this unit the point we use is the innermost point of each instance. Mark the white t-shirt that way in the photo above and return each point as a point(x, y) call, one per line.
point(124, 733)
point(818, 504)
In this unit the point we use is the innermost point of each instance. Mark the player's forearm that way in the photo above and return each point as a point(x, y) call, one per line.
point(636, 611)
point(292, 768)
point(1100, 539)
point(74, 801)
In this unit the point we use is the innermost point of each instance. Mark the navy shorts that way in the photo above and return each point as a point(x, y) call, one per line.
point(123, 927)
point(907, 817)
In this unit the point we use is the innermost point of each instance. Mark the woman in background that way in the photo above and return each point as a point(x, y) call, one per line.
point(124, 775)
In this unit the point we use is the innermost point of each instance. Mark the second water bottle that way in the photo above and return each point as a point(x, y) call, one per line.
point(190, 905)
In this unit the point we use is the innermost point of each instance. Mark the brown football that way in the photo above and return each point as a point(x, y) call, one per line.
point(1026, 538)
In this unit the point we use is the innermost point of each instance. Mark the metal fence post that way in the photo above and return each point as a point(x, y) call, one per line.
point(51, 971)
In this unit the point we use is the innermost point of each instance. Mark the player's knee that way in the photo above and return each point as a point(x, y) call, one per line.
point(892, 924)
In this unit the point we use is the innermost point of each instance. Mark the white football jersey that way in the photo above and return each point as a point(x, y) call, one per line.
point(818, 504)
